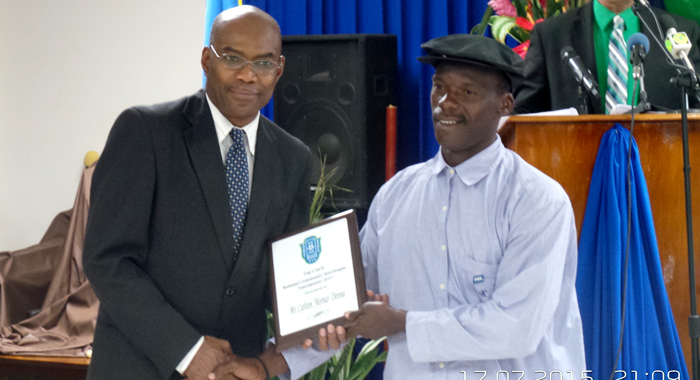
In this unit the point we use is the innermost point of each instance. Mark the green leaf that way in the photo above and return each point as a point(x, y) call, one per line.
point(270, 324)
point(363, 364)
point(578, 3)
point(481, 28)
point(366, 359)
point(348, 363)
point(519, 34)
point(521, 7)
point(537, 11)
point(554, 7)
point(501, 26)
point(370, 346)
point(365, 371)
point(382, 357)
point(318, 373)
point(322, 191)
point(341, 362)
point(360, 372)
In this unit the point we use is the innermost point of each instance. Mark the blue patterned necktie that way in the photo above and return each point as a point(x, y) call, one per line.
point(237, 180)
point(617, 67)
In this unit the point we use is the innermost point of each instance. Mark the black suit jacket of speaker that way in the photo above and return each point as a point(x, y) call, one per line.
point(158, 246)
point(550, 85)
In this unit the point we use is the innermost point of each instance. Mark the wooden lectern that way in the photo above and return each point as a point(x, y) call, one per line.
point(565, 148)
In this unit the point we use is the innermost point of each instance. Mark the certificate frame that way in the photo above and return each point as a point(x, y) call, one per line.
point(296, 338)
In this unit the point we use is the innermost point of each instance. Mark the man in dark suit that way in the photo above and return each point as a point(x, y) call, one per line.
point(174, 252)
point(550, 85)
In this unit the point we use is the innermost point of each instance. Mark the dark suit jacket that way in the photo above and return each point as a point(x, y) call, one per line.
point(159, 240)
point(550, 85)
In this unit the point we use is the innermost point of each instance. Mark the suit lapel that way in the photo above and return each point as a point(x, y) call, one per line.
point(205, 155)
point(582, 40)
point(265, 171)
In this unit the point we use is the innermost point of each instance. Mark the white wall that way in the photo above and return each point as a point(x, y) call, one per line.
point(67, 69)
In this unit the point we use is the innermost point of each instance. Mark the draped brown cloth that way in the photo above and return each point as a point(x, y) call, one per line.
point(49, 276)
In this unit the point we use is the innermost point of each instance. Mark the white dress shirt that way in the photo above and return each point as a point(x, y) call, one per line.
point(224, 126)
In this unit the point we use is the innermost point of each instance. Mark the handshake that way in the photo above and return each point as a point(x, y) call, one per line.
point(215, 360)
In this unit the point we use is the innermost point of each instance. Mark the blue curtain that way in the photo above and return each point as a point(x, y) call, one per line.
point(412, 21)
point(650, 340)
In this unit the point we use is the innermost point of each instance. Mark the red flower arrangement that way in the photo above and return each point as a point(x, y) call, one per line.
point(516, 18)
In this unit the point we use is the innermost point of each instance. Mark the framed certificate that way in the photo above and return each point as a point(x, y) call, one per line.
point(316, 275)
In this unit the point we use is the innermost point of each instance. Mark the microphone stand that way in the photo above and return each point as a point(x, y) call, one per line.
point(687, 81)
point(644, 105)
point(582, 95)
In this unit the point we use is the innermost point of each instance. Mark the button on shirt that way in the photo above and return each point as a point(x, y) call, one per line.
point(483, 257)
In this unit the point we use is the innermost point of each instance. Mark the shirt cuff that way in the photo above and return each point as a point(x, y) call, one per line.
point(182, 367)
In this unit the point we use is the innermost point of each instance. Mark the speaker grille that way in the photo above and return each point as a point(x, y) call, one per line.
point(333, 96)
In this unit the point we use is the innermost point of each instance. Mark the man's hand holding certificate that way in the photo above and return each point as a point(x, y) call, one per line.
point(316, 277)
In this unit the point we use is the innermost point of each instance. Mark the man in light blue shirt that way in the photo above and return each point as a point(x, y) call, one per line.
point(475, 248)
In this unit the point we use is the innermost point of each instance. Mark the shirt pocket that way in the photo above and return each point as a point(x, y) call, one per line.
point(477, 279)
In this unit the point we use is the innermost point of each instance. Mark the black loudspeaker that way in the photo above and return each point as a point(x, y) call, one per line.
point(333, 96)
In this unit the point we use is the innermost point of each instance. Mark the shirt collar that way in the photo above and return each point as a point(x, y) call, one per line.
point(224, 126)
point(604, 16)
point(474, 169)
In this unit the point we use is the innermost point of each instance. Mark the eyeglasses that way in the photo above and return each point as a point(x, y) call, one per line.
point(234, 62)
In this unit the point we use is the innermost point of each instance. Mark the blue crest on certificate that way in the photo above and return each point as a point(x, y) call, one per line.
point(479, 279)
point(311, 249)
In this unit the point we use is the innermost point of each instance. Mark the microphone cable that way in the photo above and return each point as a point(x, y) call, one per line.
point(661, 45)
point(669, 58)
point(656, 20)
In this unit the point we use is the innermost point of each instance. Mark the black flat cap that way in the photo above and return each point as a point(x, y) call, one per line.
point(476, 50)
